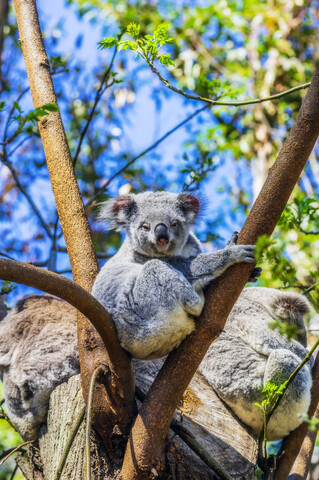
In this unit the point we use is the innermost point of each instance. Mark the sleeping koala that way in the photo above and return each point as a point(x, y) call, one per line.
point(153, 286)
point(248, 354)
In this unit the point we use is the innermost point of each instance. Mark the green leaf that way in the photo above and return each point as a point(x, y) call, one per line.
point(17, 107)
point(133, 29)
point(166, 60)
point(2, 105)
point(108, 42)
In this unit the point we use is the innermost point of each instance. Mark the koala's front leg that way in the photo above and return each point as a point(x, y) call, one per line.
point(256, 272)
point(201, 270)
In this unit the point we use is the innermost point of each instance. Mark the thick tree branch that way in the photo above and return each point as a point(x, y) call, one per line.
point(109, 409)
point(72, 293)
point(145, 449)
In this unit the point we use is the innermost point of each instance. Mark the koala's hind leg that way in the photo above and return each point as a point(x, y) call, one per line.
point(296, 400)
point(154, 314)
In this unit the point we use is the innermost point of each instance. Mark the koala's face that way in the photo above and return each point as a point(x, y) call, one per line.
point(157, 224)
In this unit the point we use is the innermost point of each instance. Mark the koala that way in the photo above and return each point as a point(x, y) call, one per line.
point(38, 351)
point(153, 286)
point(249, 353)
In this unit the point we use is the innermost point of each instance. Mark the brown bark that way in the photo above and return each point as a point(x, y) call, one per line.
point(113, 398)
point(294, 442)
point(144, 456)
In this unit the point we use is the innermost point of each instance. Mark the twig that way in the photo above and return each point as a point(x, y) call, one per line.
point(15, 450)
point(291, 377)
point(193, 444)
point(154, 145)
point(97, 371)
point(217, 102)
point(8, 164)
point(5, 417)
point(14, 472)
point(11, 112)
point(99, 94)
point(69, 443)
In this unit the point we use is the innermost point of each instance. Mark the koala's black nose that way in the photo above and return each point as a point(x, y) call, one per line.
point(161, 234)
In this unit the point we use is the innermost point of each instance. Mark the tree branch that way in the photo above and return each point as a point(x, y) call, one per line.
point(72, 293)
point(302, 463)
point(108, 410)
point(217, 102)
point(99, 94)
point(24, 192)
point(146, 446)
point(151, 147)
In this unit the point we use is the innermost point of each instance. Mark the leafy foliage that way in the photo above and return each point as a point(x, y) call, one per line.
point(147, 46)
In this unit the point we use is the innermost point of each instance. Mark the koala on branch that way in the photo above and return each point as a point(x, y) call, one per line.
point(153, 286)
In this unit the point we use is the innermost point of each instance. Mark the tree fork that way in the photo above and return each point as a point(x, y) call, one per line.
point(76, 233)
point(144, 456)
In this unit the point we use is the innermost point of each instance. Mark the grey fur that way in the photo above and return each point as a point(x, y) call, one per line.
point(153, 288)
point(3, 310)
point(153, 291)
point(38, 351)
point(248, 354)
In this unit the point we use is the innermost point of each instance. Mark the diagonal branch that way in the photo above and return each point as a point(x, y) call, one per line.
point(117, 408)
point(146, 446)
point(24, 192)
point(151, 147)
point(99, 94)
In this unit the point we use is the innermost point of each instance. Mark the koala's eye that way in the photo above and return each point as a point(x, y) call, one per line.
point(146, 227)
point(174, 224)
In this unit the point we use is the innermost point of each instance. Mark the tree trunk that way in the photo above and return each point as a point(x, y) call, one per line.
point(113, 399)
point(201, 412)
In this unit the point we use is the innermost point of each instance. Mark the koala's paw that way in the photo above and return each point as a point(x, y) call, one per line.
point(193, 303)
point(255, 273)
point(233, 240)
point(242, 253)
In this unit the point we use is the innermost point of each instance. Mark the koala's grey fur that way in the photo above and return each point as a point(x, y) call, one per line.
point(38, 351)
point(248, 354)
point(153, 286)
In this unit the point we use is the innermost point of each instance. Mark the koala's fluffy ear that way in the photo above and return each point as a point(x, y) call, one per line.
point(117, 211)
point(190, 206)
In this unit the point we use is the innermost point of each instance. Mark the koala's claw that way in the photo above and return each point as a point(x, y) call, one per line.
point(242, 253)
point(255, 273)
point(233, 240)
